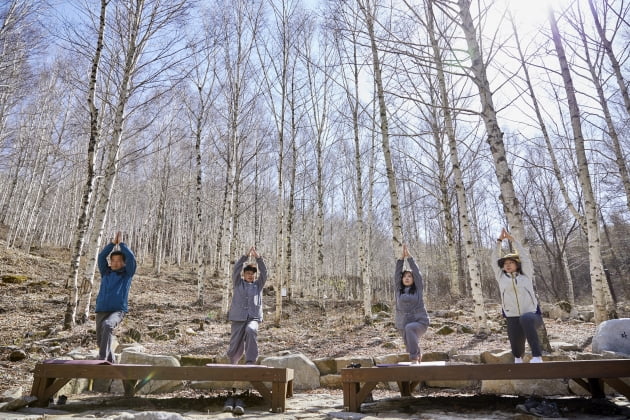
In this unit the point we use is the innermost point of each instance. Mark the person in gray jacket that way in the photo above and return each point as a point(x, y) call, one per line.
point(412, 319)
point(246, 311)
point(518, 299)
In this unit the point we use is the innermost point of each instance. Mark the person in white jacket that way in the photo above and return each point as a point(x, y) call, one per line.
point(518, 299)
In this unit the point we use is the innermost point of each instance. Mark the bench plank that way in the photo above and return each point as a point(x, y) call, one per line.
point(607, 370)
point(48, 378)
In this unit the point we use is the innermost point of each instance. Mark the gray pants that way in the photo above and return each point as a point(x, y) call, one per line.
point(106, 322)
point(524, 327)
point(411, 336)
point(244, 338)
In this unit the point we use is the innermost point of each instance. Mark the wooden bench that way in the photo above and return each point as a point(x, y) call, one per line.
point(49, 377)
point(358, 383)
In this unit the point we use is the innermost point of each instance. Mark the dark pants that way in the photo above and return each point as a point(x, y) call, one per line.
point(106, 322)
point(524, 327)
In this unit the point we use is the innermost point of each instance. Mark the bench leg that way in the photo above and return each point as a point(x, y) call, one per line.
point(290, 389)
point(350, 391)
point(44, 388)
point(405, 388)
point(619, 386)
point(278, 397)
point(597, 387)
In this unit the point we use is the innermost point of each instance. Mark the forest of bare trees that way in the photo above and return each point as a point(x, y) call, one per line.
point(328, 133)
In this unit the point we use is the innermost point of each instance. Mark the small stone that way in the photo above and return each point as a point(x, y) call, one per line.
point(17, 355)
point(445, 330)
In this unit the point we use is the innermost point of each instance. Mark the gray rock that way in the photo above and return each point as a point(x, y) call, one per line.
point(18, 403)
point(305, 373)
point(497, 357)
point(330, 381)
point(559, 345)
point(435, 356)
point(466, 358)
point(152, 387)
point(525, 387)
point(613, 335)
point(326, 365)
point(445, 330)
point(11, 394)
point(390, 359)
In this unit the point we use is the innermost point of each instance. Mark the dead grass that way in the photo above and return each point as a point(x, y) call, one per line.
point(162, 309)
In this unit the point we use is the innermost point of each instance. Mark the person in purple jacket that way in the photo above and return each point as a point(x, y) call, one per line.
point(111, 302)
point(412, 319)
point(246, 311)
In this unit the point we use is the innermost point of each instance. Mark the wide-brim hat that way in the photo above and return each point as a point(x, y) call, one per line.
point(514, 257)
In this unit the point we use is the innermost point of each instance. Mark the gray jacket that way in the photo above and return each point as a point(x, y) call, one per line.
point(517, 290)
point(247, 297)
point(409, 306)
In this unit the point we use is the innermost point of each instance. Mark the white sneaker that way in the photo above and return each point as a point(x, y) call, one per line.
point(518, 360)
point(536, 360)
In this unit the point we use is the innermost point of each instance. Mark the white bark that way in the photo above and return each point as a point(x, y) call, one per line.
point(397, 235)
point(590, 205)
point(460, 189)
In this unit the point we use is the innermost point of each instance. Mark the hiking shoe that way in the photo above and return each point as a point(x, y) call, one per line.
point(528, 405)
point(546, 409)
point(228, 407)
point(239, 407)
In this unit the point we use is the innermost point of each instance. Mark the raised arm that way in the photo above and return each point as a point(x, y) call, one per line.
point(238, 268)
point(130, 259)
point(415, 271)
point(526, 263)
point(262, 271)
point(102, 258)
point(496, 255)
point(398, 273)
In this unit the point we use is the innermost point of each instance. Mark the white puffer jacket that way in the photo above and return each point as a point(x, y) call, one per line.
point(517, 291)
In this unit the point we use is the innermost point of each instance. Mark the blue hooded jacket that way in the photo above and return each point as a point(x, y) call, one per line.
point(115, 285)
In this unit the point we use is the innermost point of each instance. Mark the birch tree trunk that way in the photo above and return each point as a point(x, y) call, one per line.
point(144, 22)
point(590, 205)
point(363, 243)
point(620, 159)
point(554, 161)
point(204, 78)
point(397, 231)
point(86, 202)
point(460, 189)
point(511, 205)
point(621, 82)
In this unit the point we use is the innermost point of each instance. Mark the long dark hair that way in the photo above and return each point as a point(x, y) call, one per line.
point(412, 288)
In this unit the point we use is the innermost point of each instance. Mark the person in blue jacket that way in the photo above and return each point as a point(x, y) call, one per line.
point(111, 302)
point(412, 319)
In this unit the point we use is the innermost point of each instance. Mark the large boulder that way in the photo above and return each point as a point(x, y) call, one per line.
point(613, 335)
point(305, 373)
point(525, 387)
point(151, 387)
